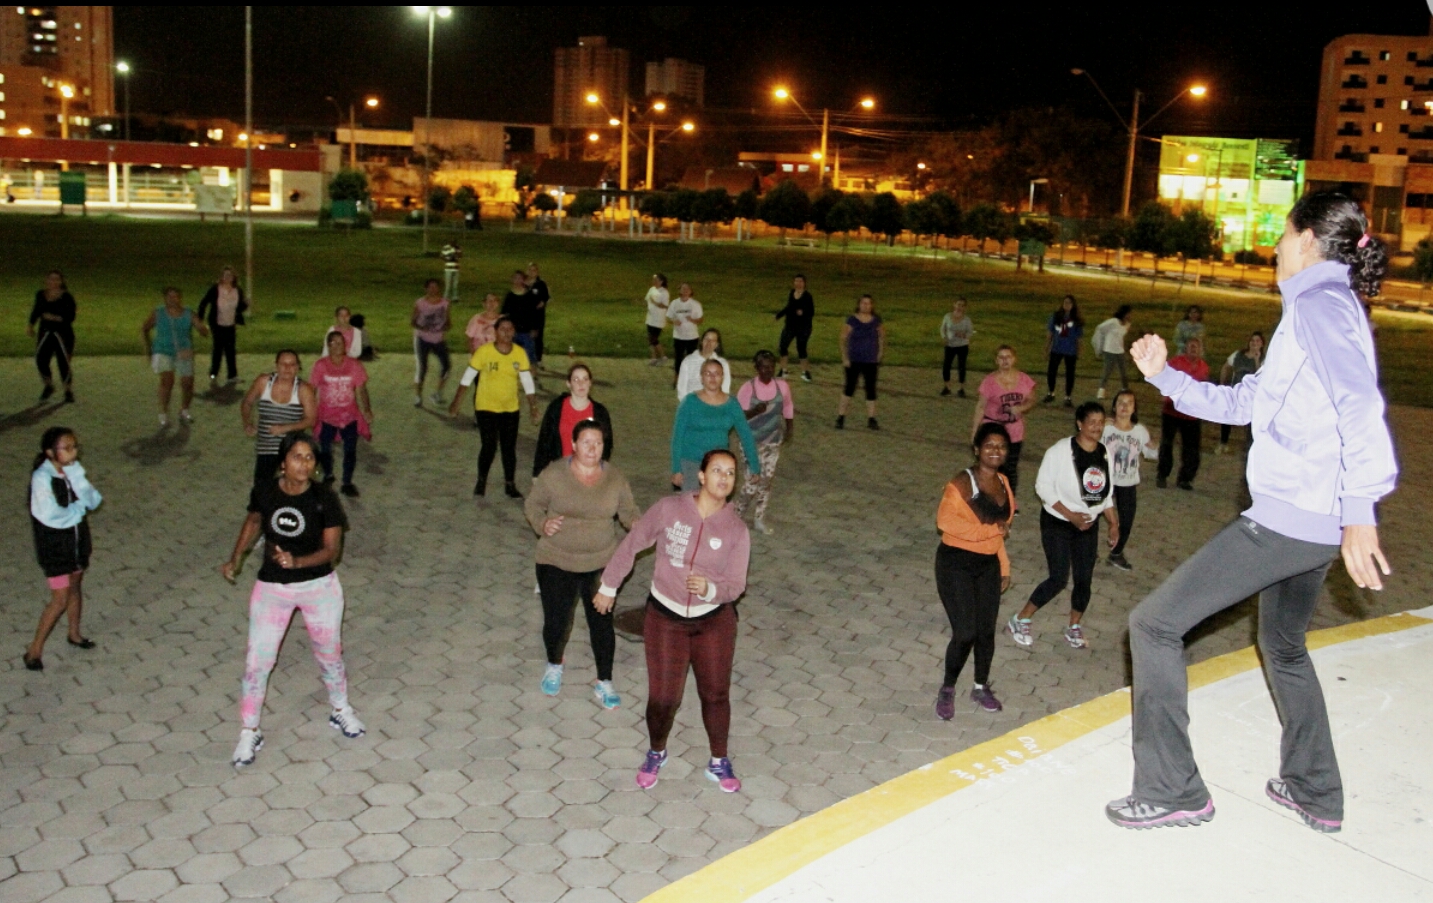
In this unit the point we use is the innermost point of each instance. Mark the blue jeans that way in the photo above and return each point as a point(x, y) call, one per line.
point(1242, 559)
point(349, 434)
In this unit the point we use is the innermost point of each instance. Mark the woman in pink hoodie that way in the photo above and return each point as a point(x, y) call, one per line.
point(701, 561)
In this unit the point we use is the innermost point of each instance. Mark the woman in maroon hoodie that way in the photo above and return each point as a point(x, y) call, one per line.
point(701, 560)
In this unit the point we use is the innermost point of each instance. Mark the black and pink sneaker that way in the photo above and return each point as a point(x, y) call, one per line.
point(1278, 791)
point(1131, 813)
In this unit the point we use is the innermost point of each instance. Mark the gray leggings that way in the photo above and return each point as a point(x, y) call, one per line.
point(1113, 362)
point(1242, 559)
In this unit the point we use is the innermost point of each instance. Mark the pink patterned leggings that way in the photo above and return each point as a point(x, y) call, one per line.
point(271, 607)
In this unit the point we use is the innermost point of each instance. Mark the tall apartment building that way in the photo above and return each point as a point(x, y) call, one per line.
point(677, 78)
point(46, 48)
point(591, 66)
point(1376, 97)
point(1374, 134)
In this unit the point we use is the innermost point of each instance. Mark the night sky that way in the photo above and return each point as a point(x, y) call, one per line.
point(958, 64)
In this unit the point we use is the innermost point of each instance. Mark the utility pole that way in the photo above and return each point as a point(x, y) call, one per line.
point(825, 131)
point(626, 131)
point(1129, 158)
point(249, 152)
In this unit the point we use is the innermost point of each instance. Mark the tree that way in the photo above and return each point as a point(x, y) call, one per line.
point(713, 206)
point(440, 197)
point(348, 185)
point(654, 205)
point(545, 202)
point(1423, 259)
point(821, 205)
point(846, 214)
point(465, 198)
point(587, 202)
point(952, 224)
point(924, 217)
point(1154, 230)
point(986, 221)
point(1194, 235)
point(886, 217)
point(681, 205)
point(747, 204)
point(786, 207)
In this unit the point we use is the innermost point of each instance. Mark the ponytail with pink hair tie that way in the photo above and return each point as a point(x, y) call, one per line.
point(1363, 240)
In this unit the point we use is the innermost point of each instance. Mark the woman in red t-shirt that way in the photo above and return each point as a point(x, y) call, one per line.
point(554, 437)
point(1005, 397)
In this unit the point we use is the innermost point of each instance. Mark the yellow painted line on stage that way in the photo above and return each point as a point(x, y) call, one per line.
point(739, 875)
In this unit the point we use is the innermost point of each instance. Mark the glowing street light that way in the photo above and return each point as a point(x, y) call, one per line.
point(660, 106)
point(123, 69)
point(433, 14)
point(868, 104)
point(782, 93)
point(688, 126)
point(816, 155)
point(24, 131)
point(1196, 91)
point(593, 137)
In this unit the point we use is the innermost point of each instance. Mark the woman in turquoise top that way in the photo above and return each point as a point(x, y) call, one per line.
point(705, 419)
point(171, 351)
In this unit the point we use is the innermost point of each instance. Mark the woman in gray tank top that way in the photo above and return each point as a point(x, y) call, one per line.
point(284, 404)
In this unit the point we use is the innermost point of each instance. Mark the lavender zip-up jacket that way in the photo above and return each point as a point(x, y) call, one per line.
point(1322, 453)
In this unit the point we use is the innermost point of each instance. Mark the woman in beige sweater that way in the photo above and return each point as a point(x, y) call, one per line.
point(575, 506)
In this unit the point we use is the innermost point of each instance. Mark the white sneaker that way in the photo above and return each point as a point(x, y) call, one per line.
point(164, 420)
point(436, 398)
point(761, 527)
point(250, 742)
point(185, 415)
point(417, 401)
point(1075, 636)
point(1019, 631)
point(1223, 449)
point(346, 721)
point(1099, 395)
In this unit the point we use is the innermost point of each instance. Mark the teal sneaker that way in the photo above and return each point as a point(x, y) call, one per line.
point(605, 695)
point(552, 680)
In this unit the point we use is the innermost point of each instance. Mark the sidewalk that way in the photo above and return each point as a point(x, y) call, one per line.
point(471, 784)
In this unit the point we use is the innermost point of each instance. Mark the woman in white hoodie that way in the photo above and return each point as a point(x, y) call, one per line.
point(1074, 487)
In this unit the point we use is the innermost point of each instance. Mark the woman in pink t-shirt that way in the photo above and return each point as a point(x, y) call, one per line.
point(343, 408)
point(483, 328)
point(430, 323)
point(1005, 396)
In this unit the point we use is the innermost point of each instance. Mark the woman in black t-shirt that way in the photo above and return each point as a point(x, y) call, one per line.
point(302, 524)
point(54, 315)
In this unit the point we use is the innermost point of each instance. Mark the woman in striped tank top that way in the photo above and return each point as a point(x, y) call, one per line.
point(285, 404)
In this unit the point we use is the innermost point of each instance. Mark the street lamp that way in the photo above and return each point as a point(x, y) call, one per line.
point(369, 102)
point(866, 103)
point(433, 13)
point(1196, 91)
point(1033, 183)
point(123, 69)
point(67, 92)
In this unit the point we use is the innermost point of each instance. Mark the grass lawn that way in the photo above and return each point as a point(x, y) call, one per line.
point(116, 267)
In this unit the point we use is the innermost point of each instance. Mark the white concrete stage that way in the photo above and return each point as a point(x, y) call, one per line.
point(1021, 817)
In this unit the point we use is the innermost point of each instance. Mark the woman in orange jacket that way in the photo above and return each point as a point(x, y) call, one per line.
point(971, 567)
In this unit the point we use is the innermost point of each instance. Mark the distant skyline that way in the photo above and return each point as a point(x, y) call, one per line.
point(957, 68)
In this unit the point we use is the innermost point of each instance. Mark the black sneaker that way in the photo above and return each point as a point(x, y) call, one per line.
point(841, 422)
point(1048, 399)
point(1120, 562)
point(960, 393)
point(69, 397)
point(1185, 485)
point(480, 488)
point(47, 391)
point(806, 376)
point(511, 490)
point(349, 490)
point(871, 424)
point(1161, 482)
point(945, 391)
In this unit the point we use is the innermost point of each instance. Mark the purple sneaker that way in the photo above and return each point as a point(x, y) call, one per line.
point(985, 698)
point(721, 772)
point(945, 703)
point(1130, 813)
point(1278, 791)
point(647, 774)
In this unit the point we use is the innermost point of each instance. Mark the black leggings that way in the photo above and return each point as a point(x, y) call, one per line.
point(969, 587)
point(560, 590)
point(954, 355)
point(1067, 547)
point(57, 345)
point(867, 373)
point(226, 343)
point(787, 334)
point(1126, 502)
point(1054, 369)
point(496, 430)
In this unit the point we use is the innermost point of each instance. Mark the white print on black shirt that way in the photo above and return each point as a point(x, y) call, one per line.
point(679, 536)
point(287, 522)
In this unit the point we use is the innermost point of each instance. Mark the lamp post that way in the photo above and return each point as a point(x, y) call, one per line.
point(782, 93)
point(123, 69)
point(434, 13)
point(1197, 91)
point(369, 102)
point(1033, 183)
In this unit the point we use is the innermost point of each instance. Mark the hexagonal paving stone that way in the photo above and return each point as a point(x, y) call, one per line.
point(370, 877)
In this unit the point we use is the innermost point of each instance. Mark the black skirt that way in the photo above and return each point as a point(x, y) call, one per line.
point(62, 552)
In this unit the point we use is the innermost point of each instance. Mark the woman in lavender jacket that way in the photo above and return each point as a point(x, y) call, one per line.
point(1321, 458)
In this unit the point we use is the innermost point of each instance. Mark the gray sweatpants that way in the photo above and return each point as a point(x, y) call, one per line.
point(1242, 559)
